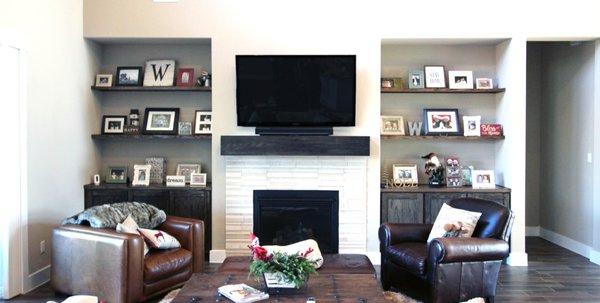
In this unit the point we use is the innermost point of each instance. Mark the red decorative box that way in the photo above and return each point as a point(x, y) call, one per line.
point(488, 130)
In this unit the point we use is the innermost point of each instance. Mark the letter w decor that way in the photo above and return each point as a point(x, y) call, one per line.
point(159, 73)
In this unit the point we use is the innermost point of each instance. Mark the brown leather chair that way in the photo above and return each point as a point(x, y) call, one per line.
point(449, 269)
point(112, 266)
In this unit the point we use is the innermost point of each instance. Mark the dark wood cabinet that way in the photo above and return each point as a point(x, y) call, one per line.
point(422, 204)
point(188, 202)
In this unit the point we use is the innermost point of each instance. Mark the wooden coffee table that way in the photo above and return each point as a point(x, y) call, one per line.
point(324, 288)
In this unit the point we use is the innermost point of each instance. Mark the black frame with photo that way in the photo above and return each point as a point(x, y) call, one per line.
point(140, 75)
point(112, 116)
point(426, 121)
point(125, 170)
point(172, 131)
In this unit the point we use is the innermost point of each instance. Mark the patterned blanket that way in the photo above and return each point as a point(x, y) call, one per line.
point(109, 215)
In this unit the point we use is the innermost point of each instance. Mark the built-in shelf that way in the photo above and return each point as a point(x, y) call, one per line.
point(440, 91)
point(149, 137)
point(458, 138)
point(295, 146)
point(104, 185)
point(444, 189)
point(152, 89)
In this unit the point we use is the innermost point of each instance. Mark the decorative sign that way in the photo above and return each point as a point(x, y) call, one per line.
point(414, 128)
point(159, 73)
point(489, 130)
point(176, 181)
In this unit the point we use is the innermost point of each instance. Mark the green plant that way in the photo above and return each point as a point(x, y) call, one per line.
point(296, 268)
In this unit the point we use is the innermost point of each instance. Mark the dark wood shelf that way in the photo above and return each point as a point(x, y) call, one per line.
point(152, 89)
point(295, 146)
point(441, 91)
point(444, 189)
point(104, 185)
point(149, 137)
point(455, 138)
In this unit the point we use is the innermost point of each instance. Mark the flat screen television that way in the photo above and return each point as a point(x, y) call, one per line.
point(280, 90)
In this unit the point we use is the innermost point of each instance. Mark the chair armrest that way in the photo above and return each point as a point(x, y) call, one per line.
point(393, 233)
point(190, 233)
point(449, 250)
point(98, 262)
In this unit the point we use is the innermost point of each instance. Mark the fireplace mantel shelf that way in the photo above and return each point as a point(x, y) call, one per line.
point(295, 146)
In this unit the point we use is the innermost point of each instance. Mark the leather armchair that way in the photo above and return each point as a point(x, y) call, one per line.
point(448, 269)
point(112, 265)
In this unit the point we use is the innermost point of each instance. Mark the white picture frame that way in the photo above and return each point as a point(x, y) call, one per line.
point(113, 124)
point(484, 83)
point(392, 125)
point(159, 73)
point(186, 170)
point(198, 179)
point(435, 76)
point(175, 181)
point(472, 126)
point(460, 79)
point(141, 175)
point(405, 174)
point(202, 122)
point(104, 80)
point(483, 179)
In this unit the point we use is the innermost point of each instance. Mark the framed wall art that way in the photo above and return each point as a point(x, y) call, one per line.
point(197, 179)
point(416, 79)
point(186, 170)
point(104, 80)
point(484, 83)
point(435, 76)
point(392, 125)
point(113, 124)
point(405, 174)
point(203, 122)
point(161, 121)
point(141, 175)
point(159, 73)
point(185, 77)
point(129, 76)
point(460, 79)
point(471, 126)
point(441, 121)
point(116, 174)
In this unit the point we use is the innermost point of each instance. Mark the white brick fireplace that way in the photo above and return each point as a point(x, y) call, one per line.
point(346, 174)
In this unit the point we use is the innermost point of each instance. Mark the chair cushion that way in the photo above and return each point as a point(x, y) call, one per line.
point(159, 264)
point(409, 255)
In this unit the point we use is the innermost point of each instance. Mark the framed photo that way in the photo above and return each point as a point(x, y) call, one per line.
point(185, 77)
point(141, 175)
point(113, 124)
point(460, 79)
point(441, 121)
point(159, 73)
point(453, 172)
point(483, 179)
point(186, 170)
point(198, 179)
point(404, 174)
point(416, 79)
point(435, 76)
point(387, 83)
point(103, 80)
point(392, 125)
point(161, 121)
point(129, 76)
point(466, 176)
point(484, 83)
point(175, 181)
point(472, 126)
point(203, 122)
point(158, 169)
point(185, 128)
point(116, 174)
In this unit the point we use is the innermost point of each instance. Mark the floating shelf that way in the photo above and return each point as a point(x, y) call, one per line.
point(152, 89)
point(150, 137)
point(456, 138)
point(441, 91)
point(295, 146)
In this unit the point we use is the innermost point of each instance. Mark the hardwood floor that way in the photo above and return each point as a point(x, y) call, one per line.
point(554, 274)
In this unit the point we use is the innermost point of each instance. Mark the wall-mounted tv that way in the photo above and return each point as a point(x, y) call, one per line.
point(283, 90)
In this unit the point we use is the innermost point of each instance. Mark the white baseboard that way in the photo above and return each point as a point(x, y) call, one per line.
point(2, 294)
point(217, 256)
point(37, 279)
point(375, 257)
point(595, 256)
point(532, 231)
point(517, 259)
point(570, 244)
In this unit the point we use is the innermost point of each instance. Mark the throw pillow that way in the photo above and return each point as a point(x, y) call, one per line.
point(300, 247)
point(454, 222)
point(129, 226)
point(159, 239)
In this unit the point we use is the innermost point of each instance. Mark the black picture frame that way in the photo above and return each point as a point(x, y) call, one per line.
point(104, 118)
point(119, 82)
point(426, 122)
point(175, 126)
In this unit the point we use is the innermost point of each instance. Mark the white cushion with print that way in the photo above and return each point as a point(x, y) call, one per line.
point(453, 222)
point(129, 226)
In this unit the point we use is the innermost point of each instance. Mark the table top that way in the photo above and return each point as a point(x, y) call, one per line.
point(324, 288)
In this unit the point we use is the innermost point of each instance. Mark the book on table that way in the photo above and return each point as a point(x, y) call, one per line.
point(242, 293)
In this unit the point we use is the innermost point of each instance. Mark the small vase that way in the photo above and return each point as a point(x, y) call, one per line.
point(275, 283)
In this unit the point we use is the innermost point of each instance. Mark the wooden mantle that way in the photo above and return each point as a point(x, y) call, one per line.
point(295, 146)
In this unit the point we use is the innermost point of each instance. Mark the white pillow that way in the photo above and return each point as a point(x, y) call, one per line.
point(159, 239)
point(453, 222)
point(129, 226)
point(300, 247)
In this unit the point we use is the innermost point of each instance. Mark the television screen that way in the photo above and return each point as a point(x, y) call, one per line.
point(296, 90)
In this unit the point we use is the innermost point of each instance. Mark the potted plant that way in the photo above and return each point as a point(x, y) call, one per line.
point(282, 273)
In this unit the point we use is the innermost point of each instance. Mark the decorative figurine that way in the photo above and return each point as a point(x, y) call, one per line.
point(204, 79)
point(434, 169)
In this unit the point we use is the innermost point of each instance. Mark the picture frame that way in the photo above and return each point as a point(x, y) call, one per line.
point(416, 79)
point(198, 179)
point(435, 76)
point(484, 83)
point(405, 174)
point(453, 172)
point(185, 77)
point(161, 121)
point(159, 73)
point(471, 126)
point(141, 175)
point(129, 76)
point(175, 181)
point(186, 170)
point(483, 179)
point(466, 176)
point(113, 124)
point(104, 80)
point(387, 83)
point(158, 169)
point(203, 122)
point(185, 128)
point(460, 79)
point(441, 121)
point(116, 175)
point(392, 125)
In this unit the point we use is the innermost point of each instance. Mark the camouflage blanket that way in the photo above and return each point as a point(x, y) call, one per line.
point(109, 215)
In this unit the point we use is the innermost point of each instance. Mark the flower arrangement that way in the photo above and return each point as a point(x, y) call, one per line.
point(294, 268)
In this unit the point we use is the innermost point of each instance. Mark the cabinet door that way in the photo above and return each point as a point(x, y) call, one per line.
point(500, 198)
point(401, 208)
point(194, 204)
point(434, 201)
point(105, 196)
point(155, 197)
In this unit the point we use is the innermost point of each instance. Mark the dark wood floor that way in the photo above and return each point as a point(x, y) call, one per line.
point(554, 275)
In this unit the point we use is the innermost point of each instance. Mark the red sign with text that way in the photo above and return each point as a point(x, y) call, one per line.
point(488, 130)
